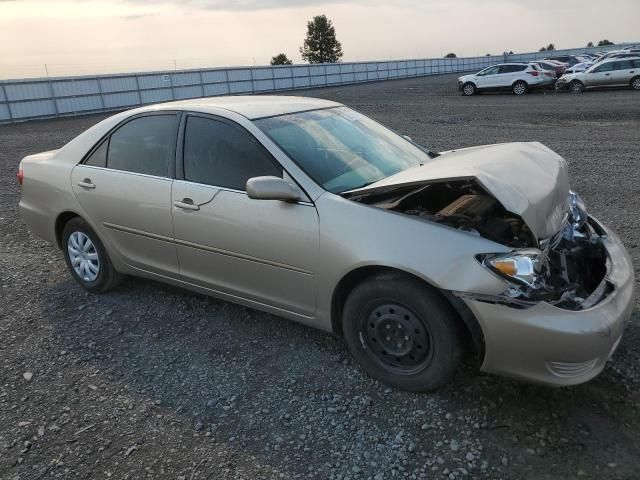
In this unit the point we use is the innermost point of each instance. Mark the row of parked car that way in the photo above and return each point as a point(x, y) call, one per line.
point(574, 73)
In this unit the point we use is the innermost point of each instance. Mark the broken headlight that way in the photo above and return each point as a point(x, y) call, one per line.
point(577, 209)
point(522, 267)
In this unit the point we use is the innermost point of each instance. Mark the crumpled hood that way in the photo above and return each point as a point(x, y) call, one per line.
point(568, 77)
point(528, 179)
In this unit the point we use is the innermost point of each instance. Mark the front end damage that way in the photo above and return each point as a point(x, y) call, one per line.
point(568, 282)
point(566, 270)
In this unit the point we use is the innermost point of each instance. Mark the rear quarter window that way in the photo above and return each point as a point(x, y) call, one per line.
point(99, 156)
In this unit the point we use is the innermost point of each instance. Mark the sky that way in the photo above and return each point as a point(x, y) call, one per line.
point(102, 36)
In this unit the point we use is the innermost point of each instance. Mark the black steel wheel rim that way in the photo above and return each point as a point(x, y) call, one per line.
point(396, 338)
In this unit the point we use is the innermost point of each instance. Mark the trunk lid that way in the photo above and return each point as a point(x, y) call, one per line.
point(39, 157)
point(528, 179)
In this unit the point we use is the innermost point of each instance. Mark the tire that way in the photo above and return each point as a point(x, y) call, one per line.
point(86, 257)
point(576, 86)
point(519, 87)
point(402, 332)
point(469, 89)
point(635, 83)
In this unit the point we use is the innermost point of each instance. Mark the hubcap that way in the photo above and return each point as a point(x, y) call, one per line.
point(83, 256)
point(396, 338)
point(468, 89)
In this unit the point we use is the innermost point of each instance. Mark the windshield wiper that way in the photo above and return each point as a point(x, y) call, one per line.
point(350, 189)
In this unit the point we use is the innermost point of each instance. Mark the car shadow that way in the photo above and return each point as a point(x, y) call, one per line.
point(257, 380)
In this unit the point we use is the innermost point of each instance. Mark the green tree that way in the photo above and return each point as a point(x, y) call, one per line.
point(551, 47)
point(604, 43)
point(543, 49)
point(450, 55)
point(590, 44)
point(321, 44)
point(281, 59)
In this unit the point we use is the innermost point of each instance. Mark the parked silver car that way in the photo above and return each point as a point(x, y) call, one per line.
point(309, 210)
point(608, 73)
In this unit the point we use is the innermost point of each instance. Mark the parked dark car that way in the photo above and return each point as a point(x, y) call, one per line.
point(570, 60)
point(557, 67)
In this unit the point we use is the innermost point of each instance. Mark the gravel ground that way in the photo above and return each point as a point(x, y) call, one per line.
point(150, 381)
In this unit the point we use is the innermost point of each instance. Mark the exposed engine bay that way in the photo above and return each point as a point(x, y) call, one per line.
point(566, 270)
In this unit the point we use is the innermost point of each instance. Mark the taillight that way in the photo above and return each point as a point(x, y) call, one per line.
point(533, 73)
point(20, 176)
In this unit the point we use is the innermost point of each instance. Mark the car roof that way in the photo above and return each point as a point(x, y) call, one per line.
point(614, 59)
point(249, 106)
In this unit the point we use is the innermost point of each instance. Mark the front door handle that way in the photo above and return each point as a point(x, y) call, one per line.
point(632, 71)
point(606, 74)
point(86, 183)
point(186, 204)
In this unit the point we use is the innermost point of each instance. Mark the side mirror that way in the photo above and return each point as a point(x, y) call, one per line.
point(271, 188)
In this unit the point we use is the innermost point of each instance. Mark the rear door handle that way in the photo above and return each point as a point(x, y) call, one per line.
point(86, 183)
point(186, 204)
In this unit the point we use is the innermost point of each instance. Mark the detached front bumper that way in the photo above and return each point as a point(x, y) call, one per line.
point(561, 85)
point(549, 345)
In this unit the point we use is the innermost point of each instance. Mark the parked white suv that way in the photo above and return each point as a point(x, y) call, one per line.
point(615, 72)
point(516, 77)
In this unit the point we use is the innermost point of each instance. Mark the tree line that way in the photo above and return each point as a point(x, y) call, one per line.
point(322, 46)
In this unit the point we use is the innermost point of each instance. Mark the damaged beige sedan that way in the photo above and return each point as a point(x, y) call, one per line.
point(309, 210)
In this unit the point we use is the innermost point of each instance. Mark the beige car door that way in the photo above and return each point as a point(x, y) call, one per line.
point(125, 187)
point(264, 251)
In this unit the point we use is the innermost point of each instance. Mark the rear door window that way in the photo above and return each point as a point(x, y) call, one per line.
point(144, 145)
point(623, 65)
point(512, 68)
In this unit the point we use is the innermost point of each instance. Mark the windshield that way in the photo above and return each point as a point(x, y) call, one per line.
point(341, 149)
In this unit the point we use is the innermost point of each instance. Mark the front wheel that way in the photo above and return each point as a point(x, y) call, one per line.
point(469, 89)
point(576, 86)
point(87, 258)
point(402, 332)
point(520, 88)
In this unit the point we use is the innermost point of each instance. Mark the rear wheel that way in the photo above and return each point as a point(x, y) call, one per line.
point(635, 83)
point(576, 86)
point(520, 88)
point(402, 332)
point(469, 89)
point(87, 258)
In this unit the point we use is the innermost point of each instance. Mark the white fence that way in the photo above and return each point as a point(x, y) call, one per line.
point(35, 98)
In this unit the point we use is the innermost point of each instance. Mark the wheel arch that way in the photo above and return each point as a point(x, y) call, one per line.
point(61, 220)
point(575, 81)
point(353, 278)
point(520, 80)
